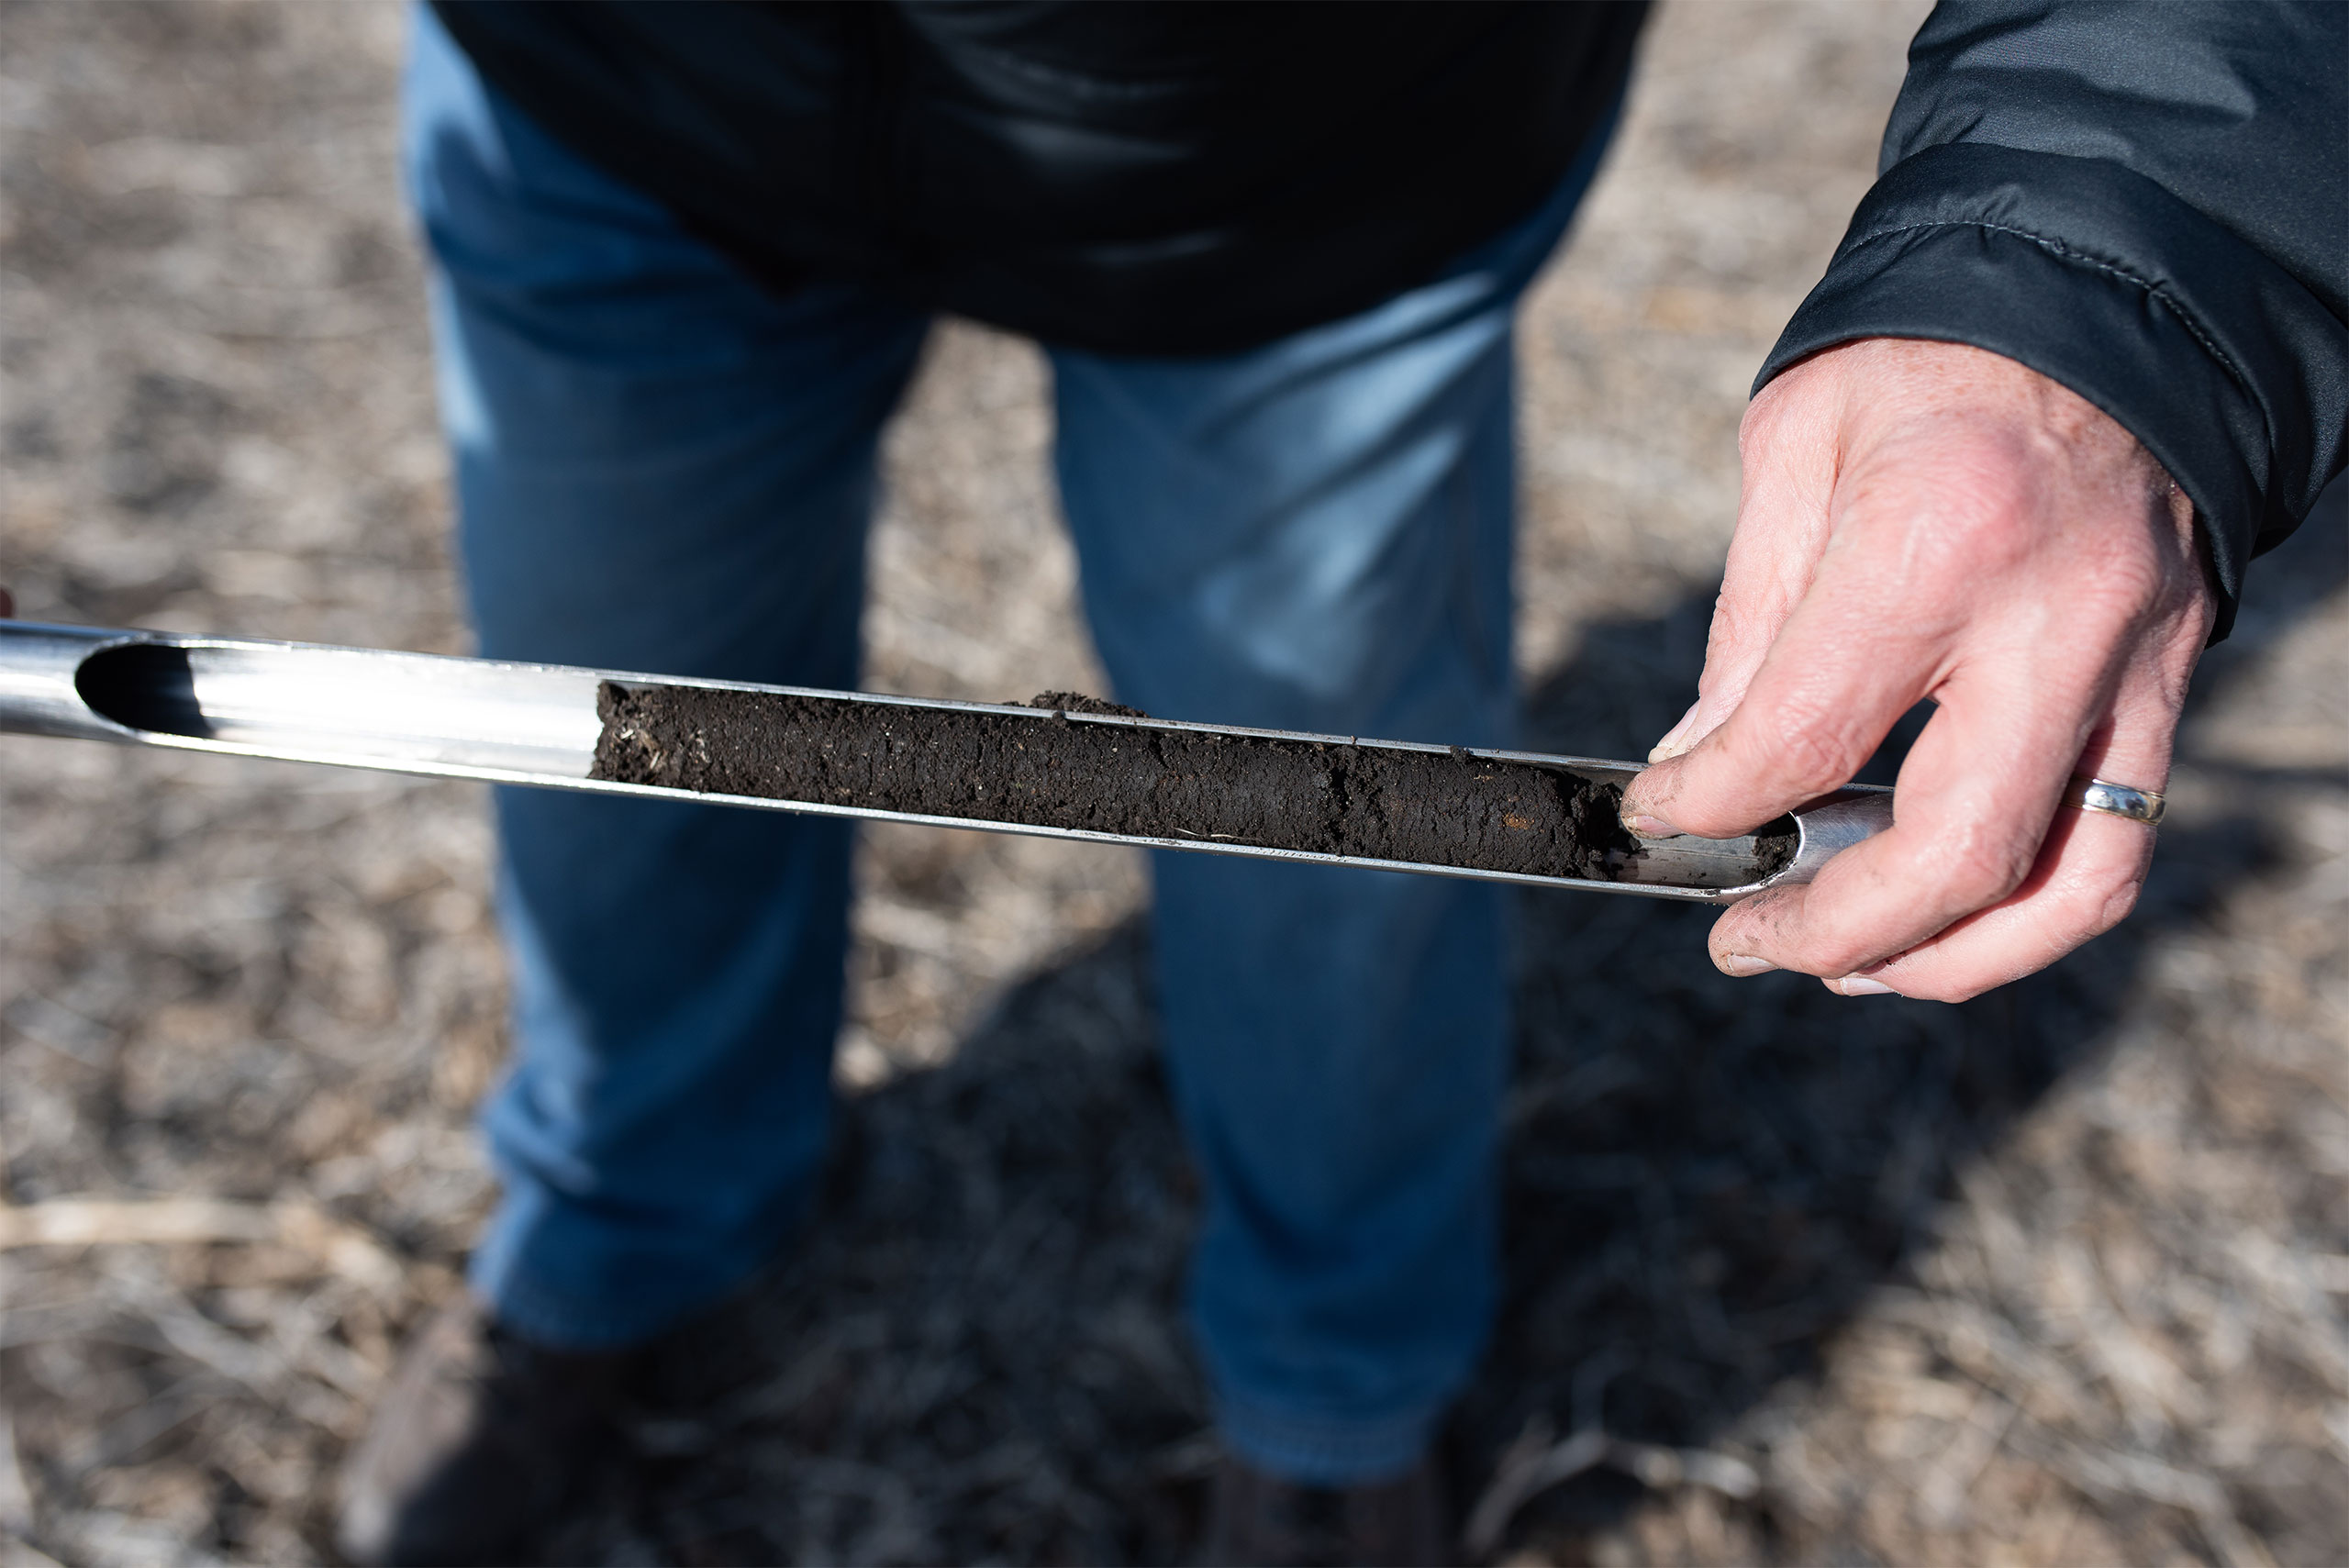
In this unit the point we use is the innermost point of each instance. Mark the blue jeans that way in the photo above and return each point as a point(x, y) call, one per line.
point(660, 466)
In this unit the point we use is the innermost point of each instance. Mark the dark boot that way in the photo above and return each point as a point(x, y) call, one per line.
point(480, 1441)
point(1257, 1521)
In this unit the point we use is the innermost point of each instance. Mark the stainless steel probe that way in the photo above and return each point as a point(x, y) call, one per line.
point(536, 724)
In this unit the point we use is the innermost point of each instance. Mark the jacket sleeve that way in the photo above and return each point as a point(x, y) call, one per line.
point(2148, 203)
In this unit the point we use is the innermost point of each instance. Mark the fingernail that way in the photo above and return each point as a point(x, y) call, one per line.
point(1741, 965)
point(1860, 985)
point(1648, 827)
point(1670, 745)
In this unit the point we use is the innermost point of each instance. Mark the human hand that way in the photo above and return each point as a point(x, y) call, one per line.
point(1930, 520)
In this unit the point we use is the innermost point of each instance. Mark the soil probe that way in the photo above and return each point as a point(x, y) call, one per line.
point(539, 725)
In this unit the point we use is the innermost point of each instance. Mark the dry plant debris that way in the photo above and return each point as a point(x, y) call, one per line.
point(2056, 1277)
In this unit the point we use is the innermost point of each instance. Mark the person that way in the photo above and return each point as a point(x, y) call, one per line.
point(2080, 356)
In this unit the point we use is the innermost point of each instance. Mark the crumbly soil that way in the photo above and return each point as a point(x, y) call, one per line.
point(1423, 807)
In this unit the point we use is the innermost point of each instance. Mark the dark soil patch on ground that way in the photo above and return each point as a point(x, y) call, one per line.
point(1426, 807)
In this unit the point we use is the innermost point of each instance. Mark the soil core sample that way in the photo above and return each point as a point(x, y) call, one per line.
point(1434, 808)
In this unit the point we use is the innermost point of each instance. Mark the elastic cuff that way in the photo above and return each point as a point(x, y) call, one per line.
point(1320, 1451)
point(2222, 364)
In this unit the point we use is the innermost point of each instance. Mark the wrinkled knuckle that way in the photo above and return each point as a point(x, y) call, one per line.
point(2103, 899)
point(1995, 878)
point(1731, 620)
point(1811, 751)
point(1763, 416)
point(1740, 636)
point(1989, 531)
point(2136, 582)
point(2124, 587)
point(1808, 760)
point(1984, 865)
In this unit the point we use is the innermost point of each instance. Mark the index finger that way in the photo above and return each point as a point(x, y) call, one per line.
point(1841, 669)
point(1975, 800)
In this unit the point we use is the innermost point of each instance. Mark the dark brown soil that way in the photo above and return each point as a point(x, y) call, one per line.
point(1426, 807)
point(1943, 1312)
point(1775, 844)
point(1078, 702)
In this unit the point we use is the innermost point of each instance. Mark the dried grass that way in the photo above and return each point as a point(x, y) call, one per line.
point(2055, 1276)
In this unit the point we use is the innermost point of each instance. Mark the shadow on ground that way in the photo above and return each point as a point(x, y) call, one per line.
point(1706, 1175)
point(978, 1353)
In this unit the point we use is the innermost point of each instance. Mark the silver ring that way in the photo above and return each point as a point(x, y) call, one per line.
point(2117, 800)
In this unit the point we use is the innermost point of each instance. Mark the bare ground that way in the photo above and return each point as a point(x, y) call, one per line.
point(2055, 1276)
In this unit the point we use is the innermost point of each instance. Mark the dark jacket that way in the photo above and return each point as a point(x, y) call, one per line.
point(1148, 178)
point(2146, 201)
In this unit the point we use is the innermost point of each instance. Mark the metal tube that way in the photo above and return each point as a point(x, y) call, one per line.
point(535, 725)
